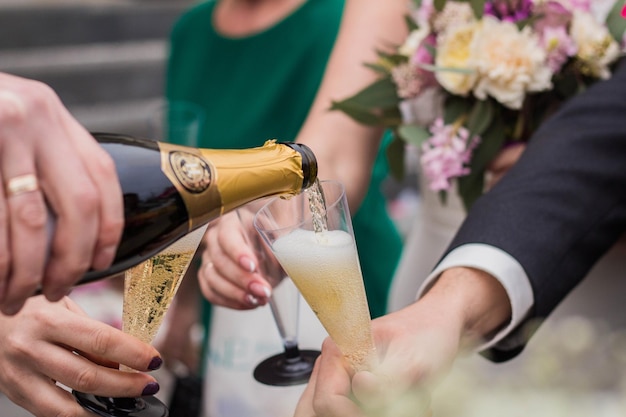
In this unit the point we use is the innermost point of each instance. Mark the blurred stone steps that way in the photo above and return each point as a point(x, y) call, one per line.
point(105, 59)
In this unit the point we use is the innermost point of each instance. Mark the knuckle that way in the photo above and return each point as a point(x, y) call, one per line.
point(18, 348)
point(86, 380)
point(39, 96)
point(105, 165)
point(13, 109)
point(101, 340)
point(28, 97)
point(88, 197)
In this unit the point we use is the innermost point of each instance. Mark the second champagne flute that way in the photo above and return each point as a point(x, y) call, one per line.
point(292, 366)
point(311, 236)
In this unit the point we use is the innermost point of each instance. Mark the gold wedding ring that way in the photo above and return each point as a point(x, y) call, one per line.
point(21, 184)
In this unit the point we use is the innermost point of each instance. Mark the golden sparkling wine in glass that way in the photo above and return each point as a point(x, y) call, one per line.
point(318, 251)
point(150, 287)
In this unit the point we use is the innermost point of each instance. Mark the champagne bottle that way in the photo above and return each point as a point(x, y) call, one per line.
point(170, 190)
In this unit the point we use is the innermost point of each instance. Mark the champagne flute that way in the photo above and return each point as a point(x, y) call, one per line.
point(292, 366)
point(149, 289)
point(311, 236)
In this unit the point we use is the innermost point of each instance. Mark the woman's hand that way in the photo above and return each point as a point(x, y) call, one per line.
point(47, 157)
point(230, 275)
point(48, 343)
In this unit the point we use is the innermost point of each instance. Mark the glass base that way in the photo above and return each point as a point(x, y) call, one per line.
point(122, 407)
point(279, 370)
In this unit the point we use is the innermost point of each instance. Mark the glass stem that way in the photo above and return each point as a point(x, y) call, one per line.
point(292, 351)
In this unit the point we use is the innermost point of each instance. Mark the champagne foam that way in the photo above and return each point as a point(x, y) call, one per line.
point(325, 268)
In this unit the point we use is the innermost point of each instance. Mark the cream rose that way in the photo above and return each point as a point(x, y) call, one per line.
point(453, 52)
point(509, 62)
point(596, 47)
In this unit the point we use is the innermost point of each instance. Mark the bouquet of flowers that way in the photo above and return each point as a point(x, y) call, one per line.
point(499, 68)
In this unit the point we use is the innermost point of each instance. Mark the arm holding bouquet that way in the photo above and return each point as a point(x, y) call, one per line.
point(550, 218)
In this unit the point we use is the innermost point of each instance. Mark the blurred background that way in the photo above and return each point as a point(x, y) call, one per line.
point(104, 58)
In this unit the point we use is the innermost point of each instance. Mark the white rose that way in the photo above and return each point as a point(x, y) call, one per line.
point(509, 62)
point(596, 47)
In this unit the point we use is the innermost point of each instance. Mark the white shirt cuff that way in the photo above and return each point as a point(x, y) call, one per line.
point(503, 267)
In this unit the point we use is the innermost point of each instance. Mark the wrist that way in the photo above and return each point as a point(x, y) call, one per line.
point(474, 299)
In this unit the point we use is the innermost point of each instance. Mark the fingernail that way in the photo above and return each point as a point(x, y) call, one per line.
point(151, 389)
point(155, 363)
point(260, 290)
point(247, 264)
point(251, 299)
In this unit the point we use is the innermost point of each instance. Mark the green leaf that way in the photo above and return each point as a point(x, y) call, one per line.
point(357, 113)
point(411, 24)
point(394, 59)
point(379, 94)
point(381, 69)
point(471, 186)
point(480, 117)
point(454, 108)
point(439, 4)
point(415, 135)
point(395, 158)
point(491, 142)
point(431, 49)
point(521, 24)
point(478, 6)
point(443, 197)
point(391, 117)
point(433, 68)
point(615, 22)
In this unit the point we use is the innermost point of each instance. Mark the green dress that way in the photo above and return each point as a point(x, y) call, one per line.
point(261, 87)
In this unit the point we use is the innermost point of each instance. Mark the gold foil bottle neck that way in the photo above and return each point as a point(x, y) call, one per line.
point(214, 181)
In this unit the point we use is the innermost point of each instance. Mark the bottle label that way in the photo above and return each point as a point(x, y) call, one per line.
point(193, 173)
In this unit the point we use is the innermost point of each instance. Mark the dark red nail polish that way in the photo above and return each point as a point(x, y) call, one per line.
point(155, 363)
point(151, 389)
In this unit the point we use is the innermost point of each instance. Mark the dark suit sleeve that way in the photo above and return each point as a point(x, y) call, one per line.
point(563, 205)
